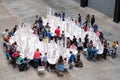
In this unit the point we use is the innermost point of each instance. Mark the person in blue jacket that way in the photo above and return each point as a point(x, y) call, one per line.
point(71, 59)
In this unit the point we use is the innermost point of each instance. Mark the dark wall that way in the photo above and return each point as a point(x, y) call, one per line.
point(104, 6)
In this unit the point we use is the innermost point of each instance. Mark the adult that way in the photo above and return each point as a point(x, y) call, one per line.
point(88, 20)
point(49, 35)
point(39, 24)
point(80, 45)
point(63, 16)
point(114, 47)
point(74, 41)
point(5, 34)
point(15, 55)
point(36, 58)
point(60, 65)
point(95, 27)
point(63, 38)
point(13, 30)
point(47, 27)
point(94, 51)
point(71, 60)
point(105, 50)
point(89, 50)
point(57, 32)
point(92, 20)
point(68, 42)
point(86, 40)
point(78, 62)
point(79, 20)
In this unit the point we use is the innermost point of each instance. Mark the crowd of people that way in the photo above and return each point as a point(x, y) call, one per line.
point(44, 32)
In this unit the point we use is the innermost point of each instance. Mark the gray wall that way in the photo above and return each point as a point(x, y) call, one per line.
point(105, 6)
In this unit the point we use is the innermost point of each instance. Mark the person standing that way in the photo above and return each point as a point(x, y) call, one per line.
point(15, 55)
point(45, 60)
point(63, 38)
point(36, 58)
point(71, 60)
point(105, 50)
point(57, 34)
point(90, 49)
point(80, 45)
point(86, 40)
point(63, 16)
point(79, 20)
point(92, 20)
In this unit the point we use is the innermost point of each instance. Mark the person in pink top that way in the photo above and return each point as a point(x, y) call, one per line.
point(36, 58)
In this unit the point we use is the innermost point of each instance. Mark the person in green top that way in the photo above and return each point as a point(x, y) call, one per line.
point(19, 60)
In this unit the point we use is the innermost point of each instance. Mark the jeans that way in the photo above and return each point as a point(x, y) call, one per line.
point(89, 54)
point(36, 63)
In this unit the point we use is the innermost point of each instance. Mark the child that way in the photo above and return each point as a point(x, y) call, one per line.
point(45, 60)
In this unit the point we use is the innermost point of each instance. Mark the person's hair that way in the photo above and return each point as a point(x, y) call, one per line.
point(6, 30)
point(70, 51)
point(58, 26)
point(92, 15)
point(86, 35)
point(39, 18)
point(60, 60)
point(18, 52)
point(91, 41)
point(25, 58)
point(37, 49)
point(15, 43)
point(16, 26)
point(88, 15)
point(65, 59)
point(45, 53)
point(79, 39)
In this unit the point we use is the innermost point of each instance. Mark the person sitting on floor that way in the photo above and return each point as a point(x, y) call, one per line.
point(60, 64)
point(77, 60)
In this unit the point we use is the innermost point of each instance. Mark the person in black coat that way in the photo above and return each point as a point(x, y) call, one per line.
point(92, 20)
point(86, 40)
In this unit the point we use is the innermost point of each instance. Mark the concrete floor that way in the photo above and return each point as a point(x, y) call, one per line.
point(16, 11)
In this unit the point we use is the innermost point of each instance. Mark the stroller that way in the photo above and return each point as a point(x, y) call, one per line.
point(24, 65)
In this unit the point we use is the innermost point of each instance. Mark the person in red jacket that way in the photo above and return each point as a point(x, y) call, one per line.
point(15, 55)
point(57, 32)
point(36, 58)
